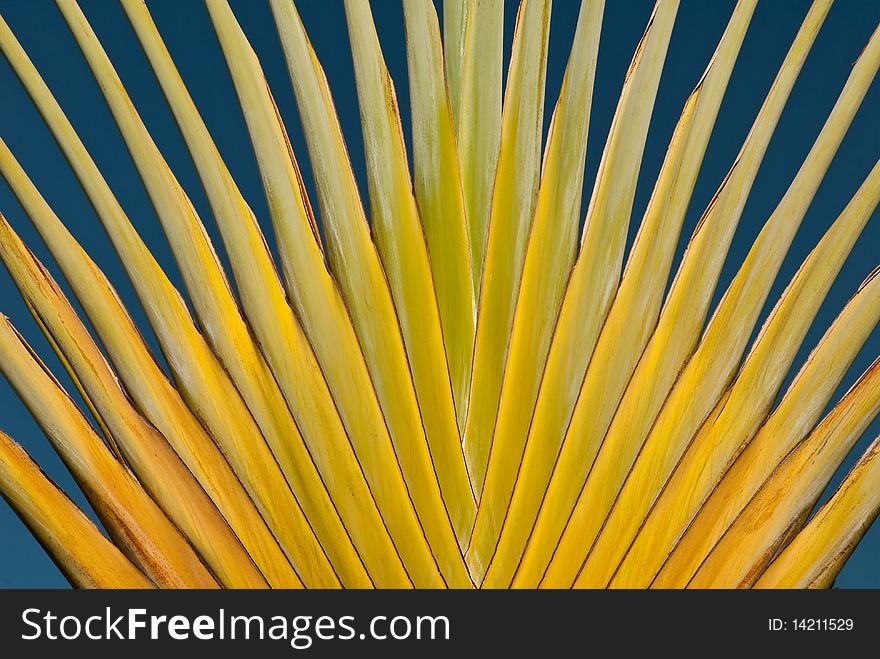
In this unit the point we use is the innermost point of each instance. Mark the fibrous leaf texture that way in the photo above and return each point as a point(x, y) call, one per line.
point(443, 373)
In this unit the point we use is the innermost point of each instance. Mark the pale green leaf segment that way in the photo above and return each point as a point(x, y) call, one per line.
point(437, 179)
point(357, 267)
point(620, 340)
point(479, 119)
point(398, 235)
point(278, 330)
point(513, 203)
point(201, 379)
point(549, 257)
point(579, 508)
point(455, 16)
point(751, 394)
point(712, 366)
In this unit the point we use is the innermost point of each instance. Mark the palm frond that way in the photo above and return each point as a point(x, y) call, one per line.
point(455, 386)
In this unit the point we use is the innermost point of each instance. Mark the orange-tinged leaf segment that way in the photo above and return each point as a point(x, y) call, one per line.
point(131, 517)
point(158, 468)
point(817, 553)
point(81, 552)
point(780, 507)
point(789, 423)
point(203, 381)
point(155, 397)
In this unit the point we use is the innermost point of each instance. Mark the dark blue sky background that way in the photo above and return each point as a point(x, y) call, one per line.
point(189, 36)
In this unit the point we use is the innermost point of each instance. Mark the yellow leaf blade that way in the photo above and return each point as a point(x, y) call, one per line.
point(158, 468)
point(784, 500)
point(751, 394)
point(154, 395)
point(131, 517)
point(82, 553)
point(790, 422)
point(817, 553)
point(623, 336)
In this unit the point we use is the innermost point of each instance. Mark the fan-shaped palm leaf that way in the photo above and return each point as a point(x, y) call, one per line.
point(465, 389)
